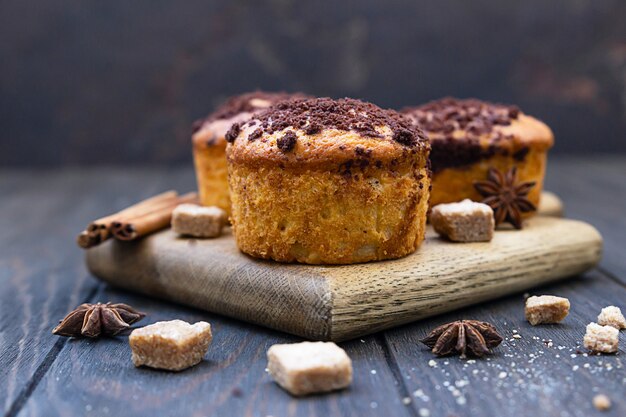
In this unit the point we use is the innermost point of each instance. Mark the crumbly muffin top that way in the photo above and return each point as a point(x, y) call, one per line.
point(464, 131)
point(474, 116)
point(311, 116)
point(245, 103)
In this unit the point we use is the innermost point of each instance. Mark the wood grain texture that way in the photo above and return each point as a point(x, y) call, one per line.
point(42, 276)
point(38, 281)
point(594, 189)
point(545, 372)
point(97, 377)
point(344, 302)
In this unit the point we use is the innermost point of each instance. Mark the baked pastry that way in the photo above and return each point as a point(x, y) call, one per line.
point(470, 136)
point(324, 181)
point(209, 145)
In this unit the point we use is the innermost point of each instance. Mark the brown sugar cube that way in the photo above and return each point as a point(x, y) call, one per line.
point(173, 345)
point(546, 309)
point(602, 339)
point(612, 316)
point(309, 367)
point(198, 221)
point(466, 221)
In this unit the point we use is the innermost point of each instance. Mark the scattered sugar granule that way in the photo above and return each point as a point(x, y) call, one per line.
point(612, 316)
point(424, 412)
point(604, 339)
point(601, 402)
point(432, 363)
point(502, 375)
point(406, 401)
point(546, 309)
point(309, 367)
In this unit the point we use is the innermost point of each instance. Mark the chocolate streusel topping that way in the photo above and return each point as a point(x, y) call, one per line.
point(313, 115)
point(449, 114)
point(476, 118)
point(248, 102)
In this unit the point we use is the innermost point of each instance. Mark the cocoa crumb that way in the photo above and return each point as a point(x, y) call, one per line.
point(361, 151)
point(287, 142)
point(232, 133)
point(255, 135)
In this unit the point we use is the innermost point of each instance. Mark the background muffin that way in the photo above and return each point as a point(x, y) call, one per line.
point(470, 136)
point(209, 145)
point(328, 181)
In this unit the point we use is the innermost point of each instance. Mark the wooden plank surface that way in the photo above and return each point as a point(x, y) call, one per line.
point(343, 302)
point(40, 267)
point(40, 279)
point(97, 379)
point(594, 189)
point(527, 376)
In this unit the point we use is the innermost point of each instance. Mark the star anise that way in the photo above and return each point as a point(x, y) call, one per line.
point(94, 320)
point(463, 336)
point(507, 199)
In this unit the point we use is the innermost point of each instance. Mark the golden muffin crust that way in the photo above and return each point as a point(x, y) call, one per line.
point(470, 136)
point(209, 145)
point(328, 181)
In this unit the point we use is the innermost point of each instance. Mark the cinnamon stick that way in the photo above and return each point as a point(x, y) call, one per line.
point(100, 230)
point(101, 226)
point(131, 228)
point(86, 241)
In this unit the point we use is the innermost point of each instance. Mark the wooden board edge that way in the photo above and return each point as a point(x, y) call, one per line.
point(146, 260)
point(588, 255)
point(550, 205)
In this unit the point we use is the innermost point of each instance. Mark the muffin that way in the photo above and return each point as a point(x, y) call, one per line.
point(324, 181)
point(209, 145)
point(470, 136)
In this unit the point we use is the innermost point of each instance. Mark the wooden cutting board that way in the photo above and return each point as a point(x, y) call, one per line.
point(344, 302)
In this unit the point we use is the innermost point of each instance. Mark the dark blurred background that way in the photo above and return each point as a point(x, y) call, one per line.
point(120, 82)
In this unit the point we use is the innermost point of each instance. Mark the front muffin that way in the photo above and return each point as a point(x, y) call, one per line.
point(324, 181)
point(468, 137)
point(209, 145)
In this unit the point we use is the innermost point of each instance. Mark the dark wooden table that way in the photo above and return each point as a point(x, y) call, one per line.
point(42, 277)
